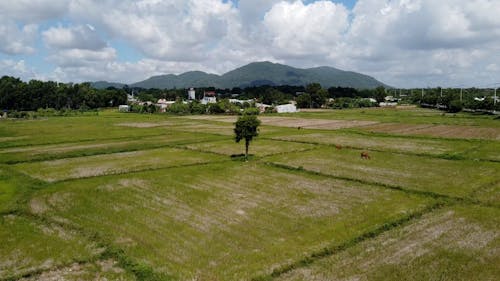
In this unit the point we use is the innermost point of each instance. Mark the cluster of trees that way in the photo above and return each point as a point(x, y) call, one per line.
point(16, 95)
point(452, 100)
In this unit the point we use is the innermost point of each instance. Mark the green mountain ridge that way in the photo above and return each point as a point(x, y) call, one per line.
point(263, 73)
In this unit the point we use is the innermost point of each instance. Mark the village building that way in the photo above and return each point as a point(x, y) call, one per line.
point(123, 108)
point(163, 104)
point(286, 108)
point(191, 94)
point(209, 97)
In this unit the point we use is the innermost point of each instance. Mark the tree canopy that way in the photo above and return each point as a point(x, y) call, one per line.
point(246, 128)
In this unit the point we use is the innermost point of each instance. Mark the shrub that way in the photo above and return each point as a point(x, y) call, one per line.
point(455, 106)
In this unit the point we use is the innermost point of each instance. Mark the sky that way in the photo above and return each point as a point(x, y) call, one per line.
point(403, 43)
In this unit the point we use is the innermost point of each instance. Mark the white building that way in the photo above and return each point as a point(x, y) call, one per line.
point(262, 106)
point(191, 94)
point(286, 108)
point(123, 108)
point(163, 104)
point(209, 97)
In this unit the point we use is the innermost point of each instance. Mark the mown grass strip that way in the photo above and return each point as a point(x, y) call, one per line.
point(334, 249)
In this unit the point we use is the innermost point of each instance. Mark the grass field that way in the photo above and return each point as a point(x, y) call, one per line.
point(157, 197)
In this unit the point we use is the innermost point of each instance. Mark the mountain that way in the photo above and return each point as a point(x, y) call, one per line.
point(185, 80)
point(106, 84)
point(263, 73)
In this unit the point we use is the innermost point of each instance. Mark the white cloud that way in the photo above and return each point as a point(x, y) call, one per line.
point(82, 57)
point(77, 37)
point(169, 30)
point(16, 69)
point(32, 10)
point(15, 40)
point(297, 29)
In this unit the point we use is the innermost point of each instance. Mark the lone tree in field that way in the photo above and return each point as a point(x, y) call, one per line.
point(246, 128)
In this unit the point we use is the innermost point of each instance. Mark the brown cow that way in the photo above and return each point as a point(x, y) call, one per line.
point(338, 146)
point(365, 155)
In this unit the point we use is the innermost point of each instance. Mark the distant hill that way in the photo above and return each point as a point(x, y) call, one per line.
point(105, 85)
point(185, 80)
point(258, 74)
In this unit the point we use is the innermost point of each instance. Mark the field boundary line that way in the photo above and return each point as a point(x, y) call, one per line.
point(334, 249)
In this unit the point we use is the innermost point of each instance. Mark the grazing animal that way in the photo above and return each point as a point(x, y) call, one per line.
point(299, 128)
point(365, 155)
point(338, 146)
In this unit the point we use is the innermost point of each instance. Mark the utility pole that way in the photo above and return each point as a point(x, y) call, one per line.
point(495, 98)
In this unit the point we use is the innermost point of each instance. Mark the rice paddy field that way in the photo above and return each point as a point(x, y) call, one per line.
point(123, 196)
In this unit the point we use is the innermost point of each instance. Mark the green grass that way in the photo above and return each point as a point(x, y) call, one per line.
point(86, 148)
point(28, 247)
point(441, 176)
point(15, 189)
point(258, 147)
point(385, 143)
point(117, 163)
point(406, 116)
point(222, 221)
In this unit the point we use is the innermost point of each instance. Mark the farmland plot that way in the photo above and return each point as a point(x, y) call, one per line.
point(416, 146)
point(447, 131)
point(454, 243)
point(295, 122)
point(124, 162)
point(227, 221)
point(259, 147)
point(65, 150)
point(29, 246)
point(447, 177)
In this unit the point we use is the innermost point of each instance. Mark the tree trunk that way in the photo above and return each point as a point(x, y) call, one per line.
point(246, 149)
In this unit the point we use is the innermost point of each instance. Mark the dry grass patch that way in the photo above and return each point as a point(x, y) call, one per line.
point(293, 122)
point(450, 244)
point(100, 270)
point(147, 124)
point(417, 146)
point(447, 131)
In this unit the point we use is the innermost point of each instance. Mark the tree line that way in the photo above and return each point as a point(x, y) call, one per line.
point(16, 95)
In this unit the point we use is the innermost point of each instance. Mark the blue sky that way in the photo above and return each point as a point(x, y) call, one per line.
point(405, 43)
